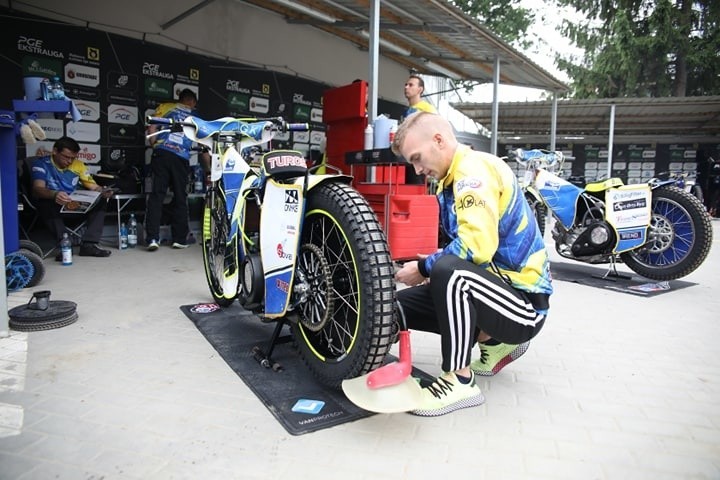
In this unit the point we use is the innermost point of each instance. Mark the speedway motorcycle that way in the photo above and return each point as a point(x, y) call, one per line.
point(294, 247)
point(658, 230)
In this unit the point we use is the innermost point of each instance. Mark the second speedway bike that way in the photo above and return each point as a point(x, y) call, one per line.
point(294, 247)
point(660, 231)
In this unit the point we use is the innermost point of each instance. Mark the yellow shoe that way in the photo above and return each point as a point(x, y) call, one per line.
point(447, 394)
point(493, 358)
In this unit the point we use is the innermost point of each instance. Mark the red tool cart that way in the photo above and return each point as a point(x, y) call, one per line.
point(408, 214)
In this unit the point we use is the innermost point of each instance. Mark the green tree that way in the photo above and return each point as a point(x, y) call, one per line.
point(644, 48)
point(506, 19)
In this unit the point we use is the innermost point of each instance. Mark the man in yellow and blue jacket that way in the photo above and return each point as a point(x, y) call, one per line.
point(491, 283)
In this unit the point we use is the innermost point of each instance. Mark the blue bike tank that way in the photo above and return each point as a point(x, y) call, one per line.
point(559, 195)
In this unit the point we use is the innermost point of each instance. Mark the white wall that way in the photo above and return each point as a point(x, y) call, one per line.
point(230, 29)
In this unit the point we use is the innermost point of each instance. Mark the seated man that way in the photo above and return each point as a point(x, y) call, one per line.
point(54, 178)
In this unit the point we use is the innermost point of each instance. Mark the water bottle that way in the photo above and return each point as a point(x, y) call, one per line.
point(57, 91)
point(199, 179)
point(45, 89)
point(66, 249)
point(368, 140)
point(132, 232)
point(123, 236)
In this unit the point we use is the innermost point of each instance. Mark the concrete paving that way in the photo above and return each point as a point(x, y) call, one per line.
point(615, 387)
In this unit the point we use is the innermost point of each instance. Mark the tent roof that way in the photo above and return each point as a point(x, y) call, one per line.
point(637, 120)
point(429, 36)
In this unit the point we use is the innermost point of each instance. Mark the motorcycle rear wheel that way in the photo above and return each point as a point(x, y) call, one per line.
point(679, 237)
point(218, 255)
point(349, 244)
point(539, 211)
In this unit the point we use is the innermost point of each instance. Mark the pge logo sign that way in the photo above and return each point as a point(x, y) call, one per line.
point(122, 114)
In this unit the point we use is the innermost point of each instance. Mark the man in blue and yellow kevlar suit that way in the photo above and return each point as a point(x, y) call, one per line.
point(491, 283)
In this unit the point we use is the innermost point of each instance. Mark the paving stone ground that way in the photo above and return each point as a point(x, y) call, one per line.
point(615, 387)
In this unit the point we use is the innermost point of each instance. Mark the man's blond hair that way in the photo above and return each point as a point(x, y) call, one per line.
point(424, 121)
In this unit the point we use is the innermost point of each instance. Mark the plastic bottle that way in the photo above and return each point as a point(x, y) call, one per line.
point(368, 137)
point(66, 249)
point(123, 236)
point(45, 89)
point(57, 91)
point(393, 131)
point(132, 232)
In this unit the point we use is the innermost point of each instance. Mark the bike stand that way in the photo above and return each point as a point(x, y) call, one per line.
point(612, 275)
point(264, 357)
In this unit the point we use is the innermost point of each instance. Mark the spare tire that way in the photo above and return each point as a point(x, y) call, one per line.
point(59, 313)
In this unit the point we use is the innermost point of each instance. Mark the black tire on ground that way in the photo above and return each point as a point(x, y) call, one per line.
point(32, 246)
point(359, 291)
point(58, 314)
point(679, 237)
point(38, 266)
point(218, 256)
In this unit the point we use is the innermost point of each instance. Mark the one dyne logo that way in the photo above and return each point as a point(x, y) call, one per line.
point(153, 69)
point(35, 45)
point(292, 201)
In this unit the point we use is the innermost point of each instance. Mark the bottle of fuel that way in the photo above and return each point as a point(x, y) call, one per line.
point(123, 236)
point(132, 232)
point(66, 250)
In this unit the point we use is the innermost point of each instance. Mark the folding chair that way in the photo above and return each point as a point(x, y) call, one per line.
point(75, 232)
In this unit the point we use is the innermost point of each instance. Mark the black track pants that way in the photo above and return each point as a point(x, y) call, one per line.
point(461, 300)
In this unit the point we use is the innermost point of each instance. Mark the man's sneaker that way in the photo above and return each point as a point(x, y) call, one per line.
point(179, 245)
point(493, 358)
point(447, 394)
point(153, 245)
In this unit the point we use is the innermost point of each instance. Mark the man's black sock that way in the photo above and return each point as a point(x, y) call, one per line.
point(491, 342)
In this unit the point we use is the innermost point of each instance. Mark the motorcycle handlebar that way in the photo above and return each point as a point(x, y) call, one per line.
point(297, 127)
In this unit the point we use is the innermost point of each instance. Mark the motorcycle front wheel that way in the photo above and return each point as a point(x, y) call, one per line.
point(219, 255)
point(345, 323)
point(679, 237)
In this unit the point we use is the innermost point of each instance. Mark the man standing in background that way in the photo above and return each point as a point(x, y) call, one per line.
point(170, 169)
point(414, 88)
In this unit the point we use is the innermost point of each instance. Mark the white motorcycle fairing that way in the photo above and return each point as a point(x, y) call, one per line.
point(283, 210)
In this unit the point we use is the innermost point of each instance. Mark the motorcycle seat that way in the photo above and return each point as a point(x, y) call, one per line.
point(603, 185)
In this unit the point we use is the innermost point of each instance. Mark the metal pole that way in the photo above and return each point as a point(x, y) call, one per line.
point(4, 316)
point(374, 50)
point(610, 140)
point(553, 123)
point(495, 106)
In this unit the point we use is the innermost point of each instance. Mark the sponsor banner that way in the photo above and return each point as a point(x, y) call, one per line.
point(89, 110)
point(84, 131)
point(301, 113)
point(82, 75)
point(125, 134)
point(122, 114)
point(155, 70)
point(238, 102)
point(37, 46)
point(81, 93)
point(259, 105)
point(89, 153)
point(317, 137)
point(91, 56)
point(53, 128)
point(158, 88)
point(316, 115)
point(122, 81)
point(41, 67)
point(39, 149)
point(118, 97)
point(301, 137)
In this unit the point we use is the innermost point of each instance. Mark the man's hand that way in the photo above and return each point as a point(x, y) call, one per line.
point(62, 198)
point(107, 192)
point(409, 274)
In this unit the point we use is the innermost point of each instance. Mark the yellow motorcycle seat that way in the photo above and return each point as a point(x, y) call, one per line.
point(603, 185)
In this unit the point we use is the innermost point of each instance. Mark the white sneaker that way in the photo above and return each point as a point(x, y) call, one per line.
point(447, 394)
point(153, 245)
point(179, 245)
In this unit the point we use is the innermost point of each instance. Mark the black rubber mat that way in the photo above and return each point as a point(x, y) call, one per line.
point(299, 402)
point(597, 277)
